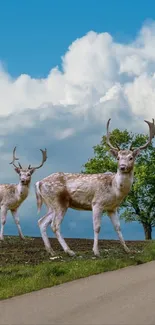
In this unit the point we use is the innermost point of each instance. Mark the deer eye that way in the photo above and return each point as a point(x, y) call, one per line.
point(117, 158)
point(131, 158)
point(28, 174)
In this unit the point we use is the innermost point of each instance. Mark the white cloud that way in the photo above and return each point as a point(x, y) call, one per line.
point(59, 134)
point(94, 69)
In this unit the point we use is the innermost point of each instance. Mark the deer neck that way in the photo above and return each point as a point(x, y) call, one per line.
point(124, 181)
point(23, 189)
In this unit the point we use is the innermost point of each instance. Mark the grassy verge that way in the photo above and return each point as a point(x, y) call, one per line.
point(20, 278)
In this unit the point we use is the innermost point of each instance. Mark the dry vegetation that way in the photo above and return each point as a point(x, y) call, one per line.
point(31, 251)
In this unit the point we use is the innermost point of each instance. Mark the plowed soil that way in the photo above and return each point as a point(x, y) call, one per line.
point(31, 251)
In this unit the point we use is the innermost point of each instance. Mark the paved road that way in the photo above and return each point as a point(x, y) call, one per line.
point(126, 296)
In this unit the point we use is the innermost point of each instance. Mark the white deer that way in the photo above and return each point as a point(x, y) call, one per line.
point(89, 192)
point(12, 195)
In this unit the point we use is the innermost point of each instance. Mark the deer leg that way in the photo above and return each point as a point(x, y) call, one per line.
point(116, 223)
point(43, 223)
point(16, 220)
point(97, 213)
point(3, 221)
point(56, 229)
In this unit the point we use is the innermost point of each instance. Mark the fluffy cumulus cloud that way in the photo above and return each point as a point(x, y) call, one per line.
point(67, 111)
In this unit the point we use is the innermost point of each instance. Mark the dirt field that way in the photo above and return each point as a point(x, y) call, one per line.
point(32, 252)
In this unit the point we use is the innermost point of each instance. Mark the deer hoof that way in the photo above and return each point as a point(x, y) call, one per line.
point(50, 251)
point(127, 250)
point(96, 253)
point(22, 237)
point(71, 253)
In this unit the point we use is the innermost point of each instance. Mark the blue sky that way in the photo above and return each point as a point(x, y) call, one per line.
point(66, 66)
point(33, 31)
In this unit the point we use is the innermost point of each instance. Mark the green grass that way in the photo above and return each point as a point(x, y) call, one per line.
point(23, 278)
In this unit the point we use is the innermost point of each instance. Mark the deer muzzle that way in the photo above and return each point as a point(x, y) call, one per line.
point(122, 167)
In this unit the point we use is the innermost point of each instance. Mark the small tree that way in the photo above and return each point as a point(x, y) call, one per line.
point(140, 202)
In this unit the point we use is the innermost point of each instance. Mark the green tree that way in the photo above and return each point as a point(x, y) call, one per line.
point(140, 202)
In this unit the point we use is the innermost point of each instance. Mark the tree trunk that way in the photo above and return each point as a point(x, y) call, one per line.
point(147, 231)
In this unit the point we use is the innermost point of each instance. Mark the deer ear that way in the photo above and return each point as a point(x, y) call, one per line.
point(136, 153)
point(32, 171)
point(17, 170)
point(114, 152)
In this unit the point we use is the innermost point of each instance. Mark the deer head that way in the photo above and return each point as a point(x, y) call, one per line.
point(26, 173)
point(126, 158)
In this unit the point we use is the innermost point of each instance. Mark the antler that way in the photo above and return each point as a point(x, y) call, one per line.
point(151, 135)
point(44, 157)
point(15, 158)
point(108, 138)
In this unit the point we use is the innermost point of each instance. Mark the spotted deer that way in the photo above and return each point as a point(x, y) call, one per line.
point(12, 195)
point(90, 192)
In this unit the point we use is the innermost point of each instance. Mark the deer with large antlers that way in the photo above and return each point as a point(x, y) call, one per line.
point(91, 192)
point(12, 195)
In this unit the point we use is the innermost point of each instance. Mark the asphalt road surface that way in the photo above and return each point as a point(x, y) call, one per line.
point(126, 296)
